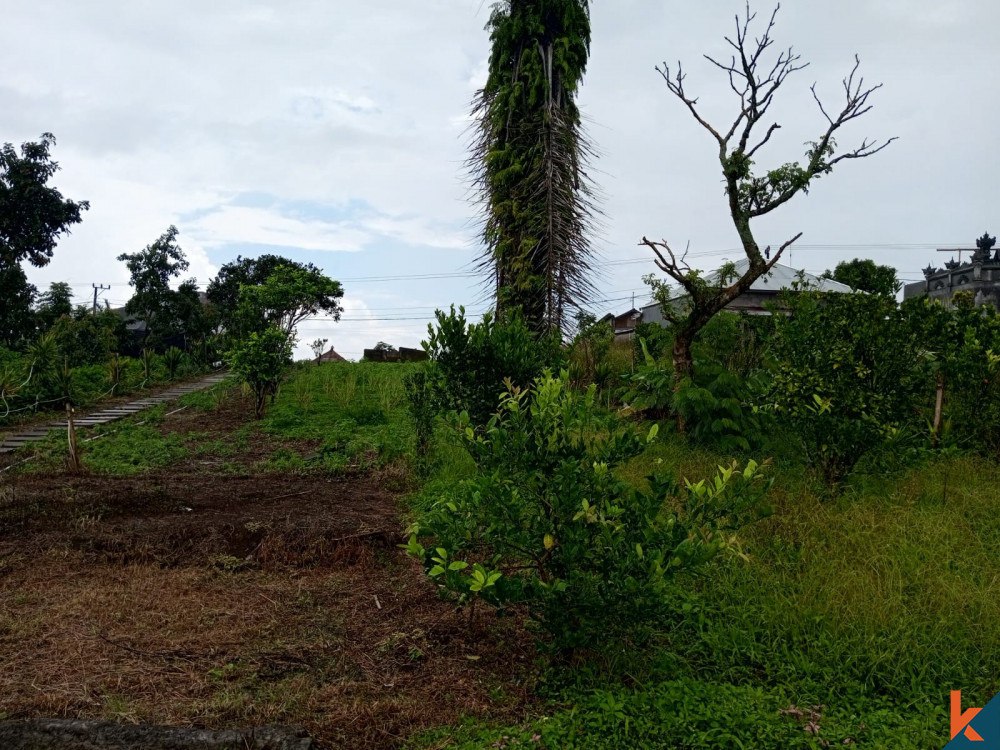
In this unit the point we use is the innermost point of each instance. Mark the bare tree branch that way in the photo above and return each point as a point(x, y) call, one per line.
point(764, 140)
point(676, 87)
point(755, 76)
point(822, 156)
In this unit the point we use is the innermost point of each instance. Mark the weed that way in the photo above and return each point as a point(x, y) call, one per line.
point(302, 389)
point(229, 564)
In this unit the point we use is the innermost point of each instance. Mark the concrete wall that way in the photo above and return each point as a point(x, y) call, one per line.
point(749, 302)
point(404, 354)
point(982, 279)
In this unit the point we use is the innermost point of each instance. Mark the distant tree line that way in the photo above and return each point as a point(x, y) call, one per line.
point(247, 315)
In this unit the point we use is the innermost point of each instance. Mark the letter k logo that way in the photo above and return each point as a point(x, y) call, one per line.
point(960, 721)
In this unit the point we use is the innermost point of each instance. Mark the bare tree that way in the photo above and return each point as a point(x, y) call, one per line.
point(756, 82)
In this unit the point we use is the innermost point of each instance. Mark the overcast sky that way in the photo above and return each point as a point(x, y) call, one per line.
point(333, 132)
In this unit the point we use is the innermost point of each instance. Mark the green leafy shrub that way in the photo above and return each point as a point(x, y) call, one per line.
point(658, 339)
point(717, 414)
point(259, 360)
point(715, 405)
point(548, 523)
point(650, 388)
point(591, 346)
point(845, 378)
point(148, 360)
point(419, 404)
point(43, 356)
point(470, 361)
point(64, 383)
point(88, 338)
point(172, 359)
point(116, 371)
point(962, 347)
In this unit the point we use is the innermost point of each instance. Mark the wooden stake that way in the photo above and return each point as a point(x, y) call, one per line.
point(937, 407)
point(74, 457)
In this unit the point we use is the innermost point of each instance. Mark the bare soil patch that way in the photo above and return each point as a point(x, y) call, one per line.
point(191, 597)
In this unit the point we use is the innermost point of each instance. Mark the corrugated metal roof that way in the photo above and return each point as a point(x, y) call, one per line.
point(783, 277)
point(780, 277)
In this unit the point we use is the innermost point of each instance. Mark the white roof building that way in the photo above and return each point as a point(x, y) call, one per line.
point(763, 291)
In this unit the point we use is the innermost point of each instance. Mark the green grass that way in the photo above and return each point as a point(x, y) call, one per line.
point(209, 398)
point(130, 446)
point(357, 412)
point(697, 713)
point(874, 604)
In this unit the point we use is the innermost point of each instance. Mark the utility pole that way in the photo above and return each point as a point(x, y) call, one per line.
point(98, 288)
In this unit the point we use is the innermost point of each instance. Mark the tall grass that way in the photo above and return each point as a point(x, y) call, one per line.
point(356, 411)
point(892, 594)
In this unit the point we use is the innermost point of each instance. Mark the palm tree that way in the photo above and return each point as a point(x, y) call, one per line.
point(529, 160)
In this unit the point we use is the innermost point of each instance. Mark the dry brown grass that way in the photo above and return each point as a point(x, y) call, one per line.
point(193, 598)
point(356, 650)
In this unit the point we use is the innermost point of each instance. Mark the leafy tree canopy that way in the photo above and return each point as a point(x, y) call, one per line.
point(17, 323)
point(32, 214)
point(87, 338)
point(224, 290)
point(54, 303)
point(291, 293)
point(164, 310)
point(864, 275)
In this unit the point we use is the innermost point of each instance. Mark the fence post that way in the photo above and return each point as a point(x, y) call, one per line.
point(74, 457)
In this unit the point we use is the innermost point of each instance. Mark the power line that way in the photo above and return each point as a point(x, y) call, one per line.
point(599, 264)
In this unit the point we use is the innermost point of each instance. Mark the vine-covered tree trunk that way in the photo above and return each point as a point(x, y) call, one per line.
point(528, 164)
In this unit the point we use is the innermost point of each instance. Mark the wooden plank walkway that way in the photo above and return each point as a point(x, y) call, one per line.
point(111, 414)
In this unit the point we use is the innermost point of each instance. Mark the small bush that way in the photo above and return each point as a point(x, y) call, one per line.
point(845, 377)
point(715, 404)
point(259, 360)
point(548, 523)
point(470, 361)
point(173, 358)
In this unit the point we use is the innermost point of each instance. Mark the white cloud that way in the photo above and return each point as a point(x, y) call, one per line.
point(167, 110)
point(240, 224)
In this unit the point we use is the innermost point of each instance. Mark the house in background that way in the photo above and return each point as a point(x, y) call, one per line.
point(623, 324)
point(762, 292)
point(385, 353)
point(330, 356)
